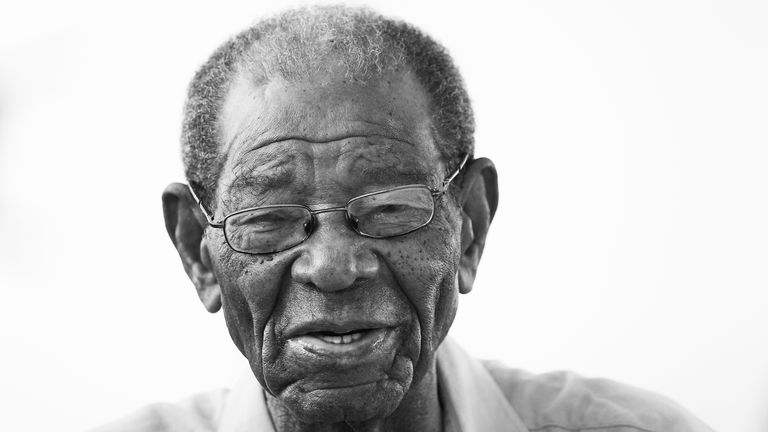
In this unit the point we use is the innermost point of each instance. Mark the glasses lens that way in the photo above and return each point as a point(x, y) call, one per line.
point(267, 230)
point(392, 213)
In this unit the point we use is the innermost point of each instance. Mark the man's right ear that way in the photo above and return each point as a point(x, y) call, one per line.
point(185, 224)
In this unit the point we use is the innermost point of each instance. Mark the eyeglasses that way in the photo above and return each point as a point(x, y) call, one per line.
point(383, 214)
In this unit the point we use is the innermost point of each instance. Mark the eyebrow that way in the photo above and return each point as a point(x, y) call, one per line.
point(273, 173)
point(386, 173)
point(264, 181)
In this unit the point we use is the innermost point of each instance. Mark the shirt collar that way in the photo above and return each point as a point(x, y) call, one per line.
point(470, 394)
point(245, 409)
point(471, 398)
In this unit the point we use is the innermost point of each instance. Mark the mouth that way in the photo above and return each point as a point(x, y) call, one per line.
point(341, 339)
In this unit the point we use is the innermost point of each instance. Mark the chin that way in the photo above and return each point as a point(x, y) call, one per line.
point(359, 403)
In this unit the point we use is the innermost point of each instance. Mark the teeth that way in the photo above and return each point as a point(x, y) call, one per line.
point(341, 339)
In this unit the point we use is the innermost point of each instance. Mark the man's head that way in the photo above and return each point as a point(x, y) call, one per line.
point(301, 44)
point(315, 107)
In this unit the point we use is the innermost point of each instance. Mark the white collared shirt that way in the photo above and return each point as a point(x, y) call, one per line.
point(476, 397)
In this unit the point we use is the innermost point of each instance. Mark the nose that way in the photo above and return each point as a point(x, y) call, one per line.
point(334, 257)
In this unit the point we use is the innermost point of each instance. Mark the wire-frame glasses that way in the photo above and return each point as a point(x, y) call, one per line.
point(382, 214)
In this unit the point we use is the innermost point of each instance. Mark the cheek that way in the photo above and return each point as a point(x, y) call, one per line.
point(250, 286)
point(425, 267)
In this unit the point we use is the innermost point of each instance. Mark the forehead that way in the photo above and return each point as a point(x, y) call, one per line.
point(383, 122)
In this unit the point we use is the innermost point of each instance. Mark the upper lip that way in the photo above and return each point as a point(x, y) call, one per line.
point(301, 329)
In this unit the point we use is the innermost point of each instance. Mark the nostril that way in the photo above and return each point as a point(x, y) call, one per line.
point(334, 267)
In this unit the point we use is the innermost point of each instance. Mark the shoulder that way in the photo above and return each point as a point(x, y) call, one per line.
point(199, 413)
point(567, 402)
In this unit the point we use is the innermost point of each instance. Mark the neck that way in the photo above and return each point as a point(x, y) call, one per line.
point(419, 410)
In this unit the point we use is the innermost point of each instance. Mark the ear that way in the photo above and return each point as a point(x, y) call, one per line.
point(478, 198)
point(185, 224)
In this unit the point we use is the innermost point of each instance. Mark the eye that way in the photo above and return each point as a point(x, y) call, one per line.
point(268, 229)
point(392, 212)
point(265, 219)
point(391, 208)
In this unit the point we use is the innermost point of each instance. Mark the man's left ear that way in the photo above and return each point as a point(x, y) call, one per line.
point(478, 198)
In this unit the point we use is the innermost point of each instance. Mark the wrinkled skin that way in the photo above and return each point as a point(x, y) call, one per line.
point(321, 143)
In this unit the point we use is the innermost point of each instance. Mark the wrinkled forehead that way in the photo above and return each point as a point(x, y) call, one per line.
point(384, 122)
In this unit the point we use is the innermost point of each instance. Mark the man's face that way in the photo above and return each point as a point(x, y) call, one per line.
point(321, 143)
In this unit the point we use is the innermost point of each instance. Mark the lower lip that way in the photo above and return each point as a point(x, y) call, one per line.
point(358, 344)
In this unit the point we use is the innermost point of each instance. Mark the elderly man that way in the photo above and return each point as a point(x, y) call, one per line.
point(334, 213)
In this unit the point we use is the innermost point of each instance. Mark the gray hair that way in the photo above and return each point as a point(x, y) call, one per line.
point(296, 45)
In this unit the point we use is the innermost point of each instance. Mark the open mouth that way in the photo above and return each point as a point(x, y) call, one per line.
point(340, 338)
point(341, 341)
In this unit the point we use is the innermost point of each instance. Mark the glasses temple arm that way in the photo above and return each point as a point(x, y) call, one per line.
point(202, 207)
point(450, 178)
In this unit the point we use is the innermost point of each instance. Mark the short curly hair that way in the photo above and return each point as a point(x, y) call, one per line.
point(297, 43)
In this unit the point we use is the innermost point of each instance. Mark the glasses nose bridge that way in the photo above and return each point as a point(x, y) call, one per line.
point(349, 221)
point(328, 210)
point(343, 209)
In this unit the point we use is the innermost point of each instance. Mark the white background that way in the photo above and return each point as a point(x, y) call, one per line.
point(630, 242)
